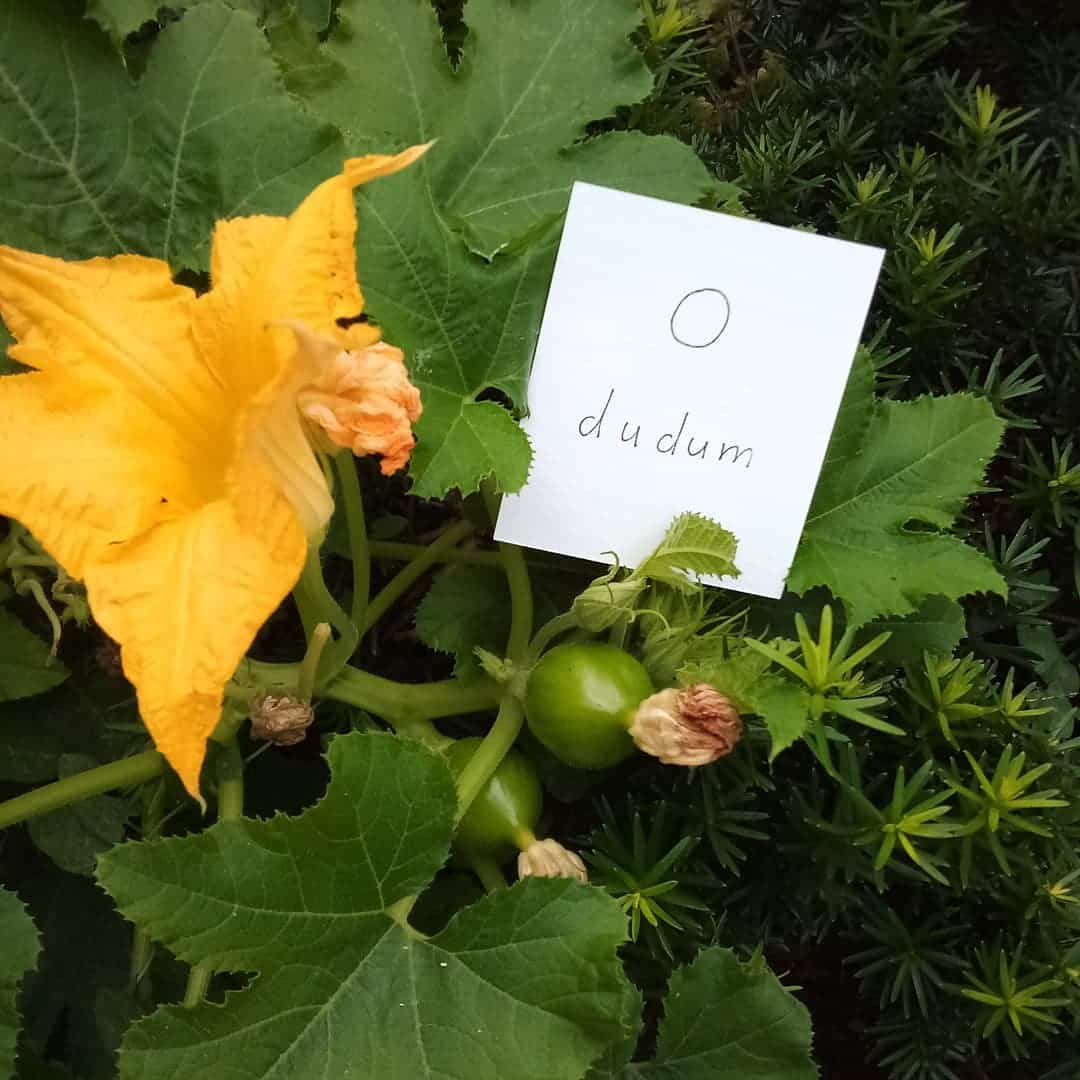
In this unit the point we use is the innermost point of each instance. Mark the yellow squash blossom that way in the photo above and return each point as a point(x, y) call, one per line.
point(162, 448)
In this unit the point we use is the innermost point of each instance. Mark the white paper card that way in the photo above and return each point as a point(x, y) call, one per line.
point(687, 360)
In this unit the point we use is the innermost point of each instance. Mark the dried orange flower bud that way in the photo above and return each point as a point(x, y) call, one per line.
point(280, 719)
point(362, 400)
point(694, 726)
point(548, 858)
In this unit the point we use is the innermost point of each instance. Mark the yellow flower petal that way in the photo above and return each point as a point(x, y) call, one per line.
point(185, 601)
point(121, 322)
point(82, 468)
point(267, 271)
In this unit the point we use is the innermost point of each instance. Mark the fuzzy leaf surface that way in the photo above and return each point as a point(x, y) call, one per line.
point(723, 1020)
point(96, 164)
point(876, 533)
point(118, 18)
point(17, 957)
point(467, 607)
point(730, 1021)
point(524, 983)
point(494, 187)
point(936, 627)
point(693, 544)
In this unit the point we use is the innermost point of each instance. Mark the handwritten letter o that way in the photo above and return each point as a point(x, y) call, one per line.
point(700, 318)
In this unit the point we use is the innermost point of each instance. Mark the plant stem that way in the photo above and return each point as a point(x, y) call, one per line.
point(547, 633)
point(410, 702)
point(399, 551)
point(496, 744)
point(487, 870)
point(197, 984)
point(521, 602)
point(489, 754)
point(309, 666)
point(116, 774)
point(353, 503)
point(314, 601)
point(413, 571)
point(230, 808)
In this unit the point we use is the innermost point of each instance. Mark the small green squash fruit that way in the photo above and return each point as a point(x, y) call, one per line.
point(580, 699)
point(503, 817)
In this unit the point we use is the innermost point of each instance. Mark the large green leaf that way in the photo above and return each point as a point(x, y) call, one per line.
point(18, 954)
point(78, 1001)
point(467, 607)
point(95, 164)
point(508, 121)
point(730, 1021)
point(937, 627)
point(875, 533)
point(723, 1020)
point(26, 666)
point(525, 983)
point(122, 17)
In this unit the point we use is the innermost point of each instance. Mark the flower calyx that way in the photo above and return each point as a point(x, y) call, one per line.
point(692, 726)
point(548, 858)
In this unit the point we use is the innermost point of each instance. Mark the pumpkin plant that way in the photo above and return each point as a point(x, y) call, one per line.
point(319, 796)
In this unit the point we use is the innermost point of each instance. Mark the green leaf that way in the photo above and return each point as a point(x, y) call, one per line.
point(467, 607)
point(730, 1021)
point(508, 121)
point(875, 535)
point(96, 164)
point(694, 544)
point(723, 1020)
point(936, 627)
point(122, 17)
point(18, 955)
point(855, 412)
point(26, 666)
point(73, 837)
point(84, 716)
point(743, 676)
point(344, 988)
point(75, 1001)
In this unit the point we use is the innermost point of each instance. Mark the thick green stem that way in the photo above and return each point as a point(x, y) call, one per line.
point(489, 754)
point(309, 666)
point(117, 774)
point(496, 744)
point(553, 628)
point(230, 802)
point(521, 602)
point(316, 605)
point(353, 503)
point(399, 551)
point(398, 585)
point(411, 701)
point(487, 870)
point(314, 601)
point(197, 985)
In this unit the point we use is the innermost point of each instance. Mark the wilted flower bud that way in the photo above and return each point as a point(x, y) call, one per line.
point(548, 858)
point(694, 726)
point(280, 719)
